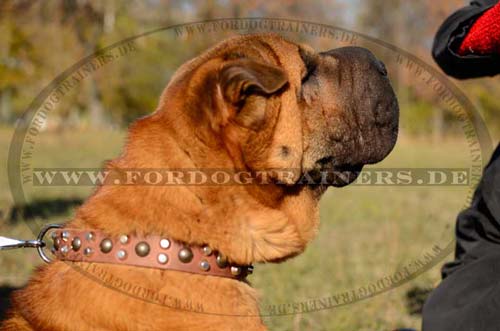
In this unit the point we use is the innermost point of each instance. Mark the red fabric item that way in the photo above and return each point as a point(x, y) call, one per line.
point(484, 35)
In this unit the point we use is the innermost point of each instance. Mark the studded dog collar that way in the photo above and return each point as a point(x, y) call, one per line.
point(152, 252)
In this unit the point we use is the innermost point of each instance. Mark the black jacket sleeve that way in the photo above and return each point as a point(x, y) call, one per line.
point(478, 227)
point(468, 297)
point(449, 38)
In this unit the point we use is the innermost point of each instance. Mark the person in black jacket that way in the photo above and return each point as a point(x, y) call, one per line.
point(467, 45)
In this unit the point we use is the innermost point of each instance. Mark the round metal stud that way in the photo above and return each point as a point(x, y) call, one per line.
point(57, 243)
point(204, 265)
point(65, 235)
point(162, 258)
point(106, 245)
point(185, 255)
point(64, 249)
point(88, 251)
point(53, 235)
point(124, 239)
point(250, 269)
point(221, 261)
point(207, 250)
point(90, 236)
point(121, 254)
point(142, 249)
point(235, 270)
point(76, 244)
point(164, 243)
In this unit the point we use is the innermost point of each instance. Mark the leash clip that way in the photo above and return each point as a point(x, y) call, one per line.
point(10, 243)
point(40, 237)
point(38, 243)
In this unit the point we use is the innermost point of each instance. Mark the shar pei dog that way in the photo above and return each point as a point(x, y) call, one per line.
point(152, 257)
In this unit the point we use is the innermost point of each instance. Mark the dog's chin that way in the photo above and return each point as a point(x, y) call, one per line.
point(334, 175)
point(344, 175)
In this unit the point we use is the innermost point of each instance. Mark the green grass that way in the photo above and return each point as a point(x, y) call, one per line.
point(366, 233)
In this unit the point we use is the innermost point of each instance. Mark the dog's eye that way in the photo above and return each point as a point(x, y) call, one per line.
point(309, 63)
point(308, 74)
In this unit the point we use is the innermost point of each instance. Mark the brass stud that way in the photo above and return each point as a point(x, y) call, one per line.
point(235, 271)
point(142, 249)
point(57, 243)
point(204, 265)
point(76, 244)
point(65, 235)
point(162, 258)
point(90, 236)
point(121, 254)
point(207, 251)
point(124, 239)
point(164, 243)
point(88, 251)
point(185, 255)
point(106, 245)
point(64, 250)
point(221, 260)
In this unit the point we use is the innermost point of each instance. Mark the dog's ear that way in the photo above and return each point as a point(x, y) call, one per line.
point(246, 83)
point(243, 77)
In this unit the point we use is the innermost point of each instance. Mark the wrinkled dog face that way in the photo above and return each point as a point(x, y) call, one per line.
point(277, 105)
point(351, 111)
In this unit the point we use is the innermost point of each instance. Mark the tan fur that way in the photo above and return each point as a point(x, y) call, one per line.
point(193, 127)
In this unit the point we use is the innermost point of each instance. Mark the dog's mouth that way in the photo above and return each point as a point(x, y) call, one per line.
point(327, 173)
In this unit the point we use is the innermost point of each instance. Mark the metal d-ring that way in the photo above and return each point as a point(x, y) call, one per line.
point(40, 237)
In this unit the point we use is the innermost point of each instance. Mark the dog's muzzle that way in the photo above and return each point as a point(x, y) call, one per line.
point(355, 116)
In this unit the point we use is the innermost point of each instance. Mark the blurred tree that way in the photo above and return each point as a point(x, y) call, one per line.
point(88, 18)
point(16, 59)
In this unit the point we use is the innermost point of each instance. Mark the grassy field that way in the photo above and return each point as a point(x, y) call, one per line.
point(367, 233)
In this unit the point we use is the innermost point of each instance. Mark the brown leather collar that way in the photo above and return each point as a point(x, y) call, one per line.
point(151, 251)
